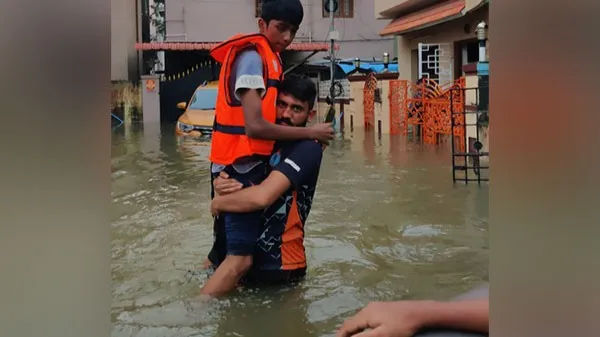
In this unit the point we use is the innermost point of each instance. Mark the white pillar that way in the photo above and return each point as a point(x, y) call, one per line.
point(151, 99)
point(482, 37)
point(404, 58)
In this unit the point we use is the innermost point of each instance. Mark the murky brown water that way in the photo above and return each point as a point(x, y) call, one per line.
point(387, 223)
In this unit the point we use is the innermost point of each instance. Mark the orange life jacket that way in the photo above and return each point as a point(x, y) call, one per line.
point(229, 140)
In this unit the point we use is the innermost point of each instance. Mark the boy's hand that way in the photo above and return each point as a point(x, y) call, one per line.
point(323, 132)
point(225, 185)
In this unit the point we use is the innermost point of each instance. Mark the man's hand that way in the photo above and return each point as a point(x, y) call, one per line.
point(385, 319)
point(225, 185)
point(323, 132)
point(207, 264)
point(214, 210)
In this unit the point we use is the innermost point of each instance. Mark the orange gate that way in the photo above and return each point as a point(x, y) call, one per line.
point(398, 111)
point(426, 106)
point(369, 100)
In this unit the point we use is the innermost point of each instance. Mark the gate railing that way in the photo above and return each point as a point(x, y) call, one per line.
point(473, 117)
point(369, 100)
point(426, 108)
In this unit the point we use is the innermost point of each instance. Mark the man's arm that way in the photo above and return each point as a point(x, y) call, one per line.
point(405, 318)
point(301, 160)
point(252, 198)
point(257, 127)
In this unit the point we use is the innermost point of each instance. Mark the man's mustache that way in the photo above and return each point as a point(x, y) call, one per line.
point(284, 121)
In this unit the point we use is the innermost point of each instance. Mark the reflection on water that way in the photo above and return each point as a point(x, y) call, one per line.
point(387, 223)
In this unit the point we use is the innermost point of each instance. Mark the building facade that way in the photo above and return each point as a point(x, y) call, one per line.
point(180, 53)
point(440, 30)
point(215, 21)
point(445, 40)
point(124, 30)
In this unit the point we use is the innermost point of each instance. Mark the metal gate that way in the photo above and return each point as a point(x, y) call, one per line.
point(470, 163)
point(425, 108)
point(369, 100)
point(435, 62)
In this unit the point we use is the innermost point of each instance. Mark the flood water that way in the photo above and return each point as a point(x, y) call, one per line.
point(387, 223)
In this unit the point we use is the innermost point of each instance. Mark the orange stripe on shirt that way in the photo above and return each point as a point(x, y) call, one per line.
point(292, 240)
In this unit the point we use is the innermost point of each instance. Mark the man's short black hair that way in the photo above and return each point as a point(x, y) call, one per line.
point(289, 11)
point(301, 87)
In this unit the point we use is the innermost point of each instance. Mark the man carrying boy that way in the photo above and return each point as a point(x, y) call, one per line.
point(245, 129)
point(286, 197)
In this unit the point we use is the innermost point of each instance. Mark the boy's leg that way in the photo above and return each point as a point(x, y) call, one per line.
point(241, 232)
point(227, 275)
point(218, 250)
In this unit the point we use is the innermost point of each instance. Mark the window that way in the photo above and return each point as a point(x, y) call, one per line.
point(345, 8)
point(258, 8)
point(204, 99)
point(377, 98)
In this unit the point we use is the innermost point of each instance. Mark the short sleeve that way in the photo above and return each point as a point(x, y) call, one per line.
point(302, 162)
point(248, 73)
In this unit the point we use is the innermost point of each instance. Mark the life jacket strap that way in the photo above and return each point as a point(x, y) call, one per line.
point(229, 129)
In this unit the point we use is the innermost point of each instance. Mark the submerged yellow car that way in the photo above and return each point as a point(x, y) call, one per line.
point(199, 115)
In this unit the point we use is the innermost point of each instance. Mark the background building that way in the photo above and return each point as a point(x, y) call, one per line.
point(124, 35)
point(435, 38)
point(215, 21)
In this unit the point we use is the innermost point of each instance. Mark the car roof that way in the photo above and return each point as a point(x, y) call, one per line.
point(209, 85)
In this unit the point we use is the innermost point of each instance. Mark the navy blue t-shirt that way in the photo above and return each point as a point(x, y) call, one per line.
point(281, 242)
point(280, 246)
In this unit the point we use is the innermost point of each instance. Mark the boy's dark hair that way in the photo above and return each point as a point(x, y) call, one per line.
point(289, 11)
point(301, 87)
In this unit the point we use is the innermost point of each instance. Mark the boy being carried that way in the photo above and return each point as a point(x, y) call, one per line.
point(245, 129)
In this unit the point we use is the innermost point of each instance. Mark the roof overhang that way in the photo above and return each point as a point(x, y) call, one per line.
point(404, 7)
point(187, 46)
point(425, 17)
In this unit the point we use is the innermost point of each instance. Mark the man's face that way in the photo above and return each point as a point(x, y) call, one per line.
point(292, 111)
point(279, 33)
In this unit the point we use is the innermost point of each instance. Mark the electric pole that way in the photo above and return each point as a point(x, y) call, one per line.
point(333, 5)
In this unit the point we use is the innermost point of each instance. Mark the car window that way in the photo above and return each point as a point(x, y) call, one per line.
point(204, 99)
